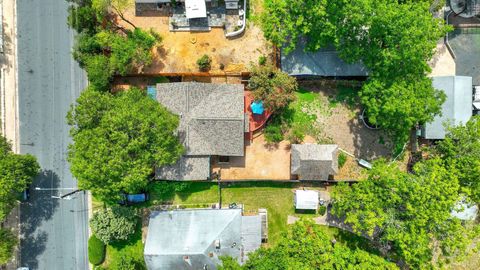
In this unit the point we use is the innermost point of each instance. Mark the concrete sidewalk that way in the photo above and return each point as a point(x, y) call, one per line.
point(8, 74)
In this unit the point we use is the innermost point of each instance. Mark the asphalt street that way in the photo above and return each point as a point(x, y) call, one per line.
point(54, 231)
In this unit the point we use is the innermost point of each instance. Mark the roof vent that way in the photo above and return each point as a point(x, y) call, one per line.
point(217, 244)
point(234, 244)
point(187, 259)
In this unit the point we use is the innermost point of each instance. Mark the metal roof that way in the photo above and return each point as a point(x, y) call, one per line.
point(324, 62)
point(457, 107)
point(314, 161)
point(195, 9)
point(306, 199)
point(192, 239)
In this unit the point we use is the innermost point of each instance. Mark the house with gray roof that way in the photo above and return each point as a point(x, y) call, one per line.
point(323, 63)
point(314, 161)
point(457, 107)
point(212, 123)
point(196, 238)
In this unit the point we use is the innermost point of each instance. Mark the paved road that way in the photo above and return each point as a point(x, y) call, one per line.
point(54, 231)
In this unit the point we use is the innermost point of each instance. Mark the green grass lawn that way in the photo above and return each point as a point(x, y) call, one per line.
point(277, 198)
point(132, 247)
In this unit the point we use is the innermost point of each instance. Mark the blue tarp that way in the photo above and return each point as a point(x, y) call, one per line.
point(152, 91)
point(136, 198)
point(257, 107)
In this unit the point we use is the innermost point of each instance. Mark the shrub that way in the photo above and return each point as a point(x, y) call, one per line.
point(273, 134)
point(113, 224)
point(8, 241)
point(96, 250)
point(125, 262)
point(296, 134)
point(262, 60)
point(342, 158)
point(204, 63)
point(322, 210)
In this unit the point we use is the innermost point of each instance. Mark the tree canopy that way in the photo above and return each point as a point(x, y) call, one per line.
point(461, 150)
point(16, 174)
point(406, 212)
point(114, 224)
point(118, 140)
point(393, 39)
point(305, 246)
point(275, 88)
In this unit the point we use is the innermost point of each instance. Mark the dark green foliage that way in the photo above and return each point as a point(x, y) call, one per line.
point(204, 63)
point(8, 241)
point(96, 250)
point(342, 158)
point(114, 224)
point(322, 210)
point(461, 151)
point(125, 262)
point(262, 60)
point(98, 71)
point(273, 134)
point(408, 211)
point(275, 88)
point(16, 174)
point(118, 140)
point(82, 18)
point(305, 246)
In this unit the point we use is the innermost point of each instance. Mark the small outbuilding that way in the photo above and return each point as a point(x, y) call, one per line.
point(314, 161)
point(457, 107)
point(306, 200)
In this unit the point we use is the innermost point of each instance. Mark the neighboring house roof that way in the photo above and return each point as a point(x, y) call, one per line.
point(324, 62)
point(314, 161)
point(457, 107)
point(186, 168)
point(306, 199)
point(212, 118)
point(188, 239)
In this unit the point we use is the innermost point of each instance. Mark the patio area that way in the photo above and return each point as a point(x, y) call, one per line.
point(261, 162)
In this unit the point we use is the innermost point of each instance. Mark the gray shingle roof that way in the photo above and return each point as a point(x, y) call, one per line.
point(212, 119)
point(186, 239)
point(186, 168)
point(314, 161)
point(324, 62)
point(457, 107)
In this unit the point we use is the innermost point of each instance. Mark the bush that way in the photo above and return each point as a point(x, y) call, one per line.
point(273, 134)
point(322, 210)
point(8, 241)
point(204, 63)
point(96, 250)
point(262, 60)
point(113, 224)
point(296, 134)
point(125, 262)
point(342, 158)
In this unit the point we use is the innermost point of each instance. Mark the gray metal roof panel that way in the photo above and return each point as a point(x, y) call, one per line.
point(457, 107)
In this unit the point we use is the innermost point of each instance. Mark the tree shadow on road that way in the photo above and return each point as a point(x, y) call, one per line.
point(38, 209)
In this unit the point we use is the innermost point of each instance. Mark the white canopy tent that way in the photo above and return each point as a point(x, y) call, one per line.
point(195, 9)
point(306, 199)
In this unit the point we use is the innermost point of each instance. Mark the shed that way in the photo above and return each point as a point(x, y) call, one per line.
point(324, 62)
point(457, 107)
point(306, 199)
point(314, 161)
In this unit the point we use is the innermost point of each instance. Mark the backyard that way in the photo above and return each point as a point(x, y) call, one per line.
point(231, 55)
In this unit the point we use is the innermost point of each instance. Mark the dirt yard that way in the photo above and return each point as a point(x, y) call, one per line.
point(261, 162)
point(180, 50)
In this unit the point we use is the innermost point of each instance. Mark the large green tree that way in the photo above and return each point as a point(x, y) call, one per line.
point(16, 174)
point(306, 246)
point(118, 140)
point(461, 150)
point(275, 88)
point(406, 212)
